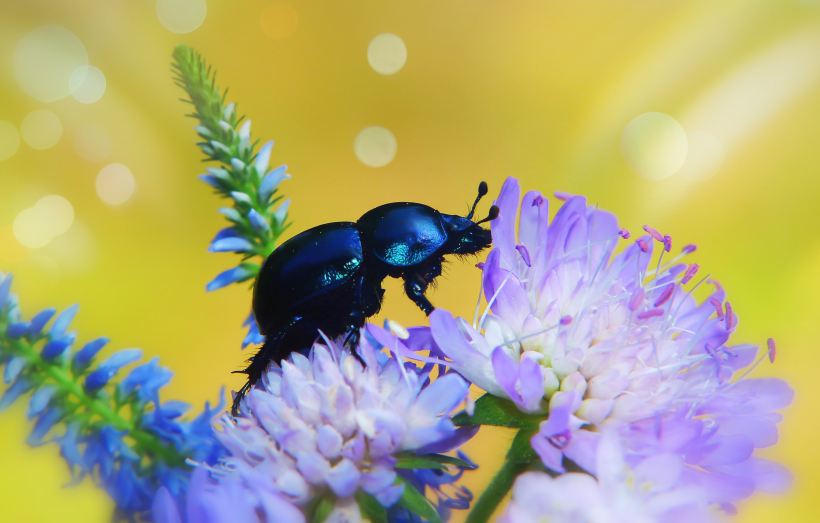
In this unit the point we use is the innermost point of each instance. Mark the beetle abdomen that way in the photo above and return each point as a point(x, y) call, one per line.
point(306, 270)
point(402, 234)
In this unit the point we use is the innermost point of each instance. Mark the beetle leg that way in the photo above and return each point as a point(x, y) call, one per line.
point(414, 286)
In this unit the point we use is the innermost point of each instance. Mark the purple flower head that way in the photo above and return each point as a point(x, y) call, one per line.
point(631, 490)
point(325, 424)
point(638, 349)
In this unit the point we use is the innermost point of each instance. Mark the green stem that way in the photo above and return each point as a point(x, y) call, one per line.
point(501, 484)
point(145, 439)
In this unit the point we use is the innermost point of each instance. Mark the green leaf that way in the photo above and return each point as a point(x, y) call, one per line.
point(521, 449)
point(408, 460)
point(415, 502)
point(323, 508)
point(498, 412)
point(371, 508)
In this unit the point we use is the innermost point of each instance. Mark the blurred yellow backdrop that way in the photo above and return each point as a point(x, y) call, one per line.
point(541, 90)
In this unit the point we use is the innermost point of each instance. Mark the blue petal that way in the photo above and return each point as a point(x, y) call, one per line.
point(227, 232)
point(84, 355)
point(39, 321)
point(97, 379)
point(149, 378)
point(241, 197)
point(271, 181)
point(231, 245)
point(12, 393)
point(42, 426)
point(39, 401)
point(4, 290)
point(219, 173)
point(122, 358)
point(62, 322)
point(16, 331)
point(253, 336)
point(281, 212)
point(228, 277)
point(174, 409)
point(68, 446)
point(56, 347)
point(210, 180)
point(231, 214)
point(13, 368)
point(14, 309)
point(263, 158)
point(237, 165)
point(258, 222)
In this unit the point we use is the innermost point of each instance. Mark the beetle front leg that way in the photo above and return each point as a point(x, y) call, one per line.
point(414, 286)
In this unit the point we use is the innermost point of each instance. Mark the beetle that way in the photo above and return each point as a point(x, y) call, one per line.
point(329, 277)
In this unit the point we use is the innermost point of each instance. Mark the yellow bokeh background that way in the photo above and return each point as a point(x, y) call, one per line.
point(541, 90)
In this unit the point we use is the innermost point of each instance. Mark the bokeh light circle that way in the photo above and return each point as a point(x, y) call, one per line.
point(115, 184)
point(9, 140)
point(57, 212)
point(41, 129)
point(87, 84)
point(36, 226)
point(375, 146)
point(654, 146)
point(45, 59)
point(92, 143)
point(181, 16)
point(705, 156)
point(279, 20)
point(387, 53)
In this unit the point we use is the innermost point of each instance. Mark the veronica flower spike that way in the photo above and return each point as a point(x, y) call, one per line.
point(576, 338)
point(116, 431)
point(257, 216)
point(342, 442)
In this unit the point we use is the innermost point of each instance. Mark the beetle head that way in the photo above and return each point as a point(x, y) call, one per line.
point(466, 236)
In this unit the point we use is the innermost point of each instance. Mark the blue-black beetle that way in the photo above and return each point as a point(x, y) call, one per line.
point(329, 277)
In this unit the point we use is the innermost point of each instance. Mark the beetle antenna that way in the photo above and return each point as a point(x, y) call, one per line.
point(494, 210)
point(482, 190)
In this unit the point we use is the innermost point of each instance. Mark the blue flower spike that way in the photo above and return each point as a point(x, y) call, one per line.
point(130, 451)
point(244, 177)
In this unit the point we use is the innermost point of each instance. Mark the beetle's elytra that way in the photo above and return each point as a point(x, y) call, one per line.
point(329, 277)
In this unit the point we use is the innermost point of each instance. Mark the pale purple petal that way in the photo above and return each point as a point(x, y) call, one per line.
point(343, 479)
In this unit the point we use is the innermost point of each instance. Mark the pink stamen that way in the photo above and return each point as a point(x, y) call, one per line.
point(731, 319)
point(563, 196)
point(652, 232)
point(566, 320)
point(525, 254)
point(772, 349)
point(665, 295)
point(667, 243)
point(690, 273)
point(650, 313)
point(718, 307)
point(716, 284)
point(624, 234)
point(636, 300)
point(480, 266)
point(559, 441)
point(642, 245)
point(538, 201)
point(689, 249)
